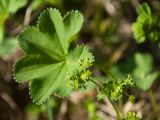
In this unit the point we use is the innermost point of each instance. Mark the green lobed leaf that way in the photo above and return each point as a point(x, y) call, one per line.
point(73, 22)
point(142, 27)
point(144, 77)
point(33, 41)
point(47, 60)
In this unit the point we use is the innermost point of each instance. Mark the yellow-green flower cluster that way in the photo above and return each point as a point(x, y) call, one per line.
point(114, 89)
point(80, 76)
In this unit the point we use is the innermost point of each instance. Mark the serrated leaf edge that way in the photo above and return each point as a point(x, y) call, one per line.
point(13, 69)
point(24, 53)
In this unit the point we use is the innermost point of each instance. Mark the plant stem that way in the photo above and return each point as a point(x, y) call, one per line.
point(96, 83)
point(153, 102)
point(49, 110)
point(116, 110)
point(120, 104)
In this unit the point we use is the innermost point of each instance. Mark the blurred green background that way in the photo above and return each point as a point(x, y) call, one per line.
point(107, 31)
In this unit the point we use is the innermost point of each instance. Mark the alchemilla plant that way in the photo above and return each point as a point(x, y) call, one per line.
point(52, 67)
point(48, 63)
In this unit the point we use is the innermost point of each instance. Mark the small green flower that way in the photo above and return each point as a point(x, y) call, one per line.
point(81, 75)
point(114, 89)
point(132, 98)
point(132, 116)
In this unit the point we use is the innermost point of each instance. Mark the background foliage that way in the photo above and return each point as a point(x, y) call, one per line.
point(124, 39)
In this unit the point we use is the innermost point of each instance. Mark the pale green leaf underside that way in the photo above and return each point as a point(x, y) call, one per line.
point(144, 78)
point(141, 67)
point(48, 60)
